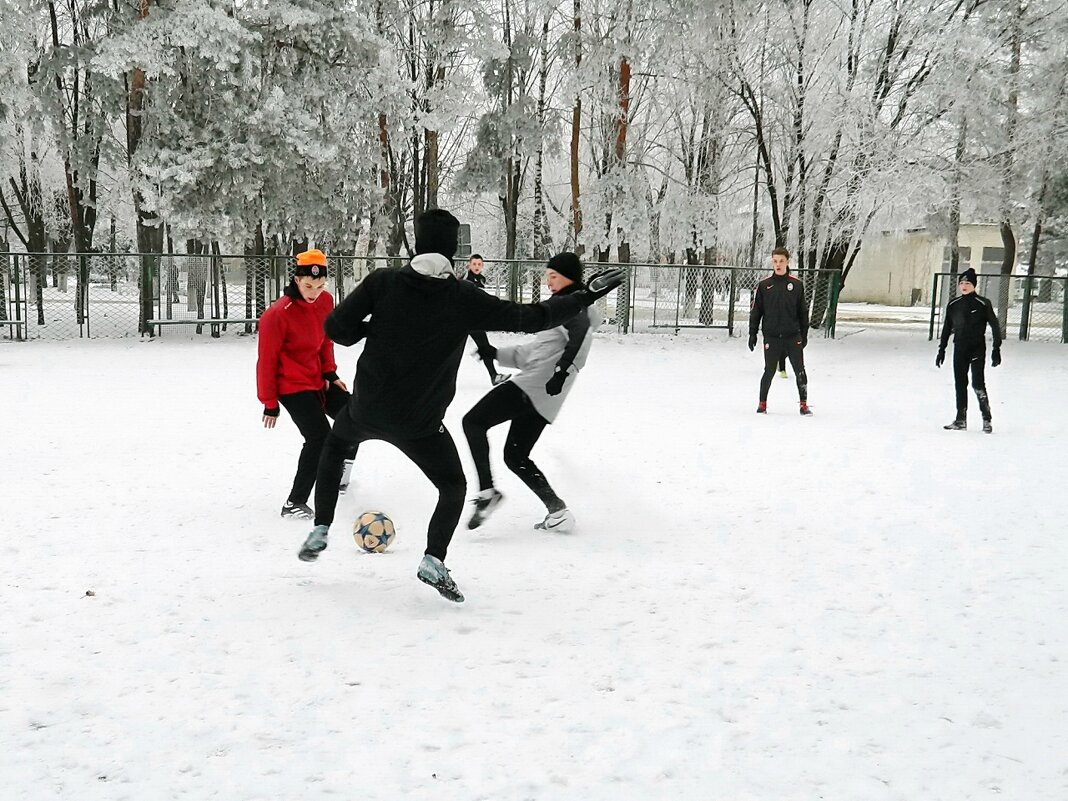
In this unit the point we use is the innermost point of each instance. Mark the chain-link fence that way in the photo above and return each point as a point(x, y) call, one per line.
point(64, 296)
point(1028, 307)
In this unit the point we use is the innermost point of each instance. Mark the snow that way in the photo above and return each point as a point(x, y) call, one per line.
point(857, 605)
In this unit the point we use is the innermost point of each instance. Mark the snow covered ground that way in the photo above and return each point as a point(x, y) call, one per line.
point(855, 606)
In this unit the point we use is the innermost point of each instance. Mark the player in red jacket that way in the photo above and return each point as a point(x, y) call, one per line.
point(296, 369)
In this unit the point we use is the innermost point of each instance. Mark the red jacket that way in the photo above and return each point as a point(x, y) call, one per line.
point(294, 352)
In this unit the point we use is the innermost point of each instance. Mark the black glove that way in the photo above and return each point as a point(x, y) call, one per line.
point(555, 385)
point(601, 285)
point(752, 342)
point(941, 357)
point(995, 357)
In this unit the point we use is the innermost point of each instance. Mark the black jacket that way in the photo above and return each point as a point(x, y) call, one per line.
point(406, 375)
point(478, 279)
point(780, 303)
point(967, 317)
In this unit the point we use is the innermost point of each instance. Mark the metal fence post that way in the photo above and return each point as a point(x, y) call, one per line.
point(730, 302)
point(1064, 312)
point(215, 281)
point(832, 310)
point(1025, 309)
point(934, 306)
point(18, 299)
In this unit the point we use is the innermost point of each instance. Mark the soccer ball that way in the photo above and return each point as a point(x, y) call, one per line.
point(374, 532)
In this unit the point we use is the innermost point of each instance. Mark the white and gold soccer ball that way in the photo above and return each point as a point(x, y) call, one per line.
point(374, 532)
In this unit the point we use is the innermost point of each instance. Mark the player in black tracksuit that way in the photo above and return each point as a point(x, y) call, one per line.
point(779, 303)
point(415, 321)
point(967, 316)
point(485, 350)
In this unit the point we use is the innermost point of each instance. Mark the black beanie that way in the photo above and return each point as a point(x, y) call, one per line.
point(437, 231)
point(969, 276)
point(568, 265)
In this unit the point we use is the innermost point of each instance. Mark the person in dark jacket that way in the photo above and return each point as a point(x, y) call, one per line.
point(296, 368)
point(779, 303)
point(967, 316)
point(484, 349)
point(531, 401)
point(415, 321)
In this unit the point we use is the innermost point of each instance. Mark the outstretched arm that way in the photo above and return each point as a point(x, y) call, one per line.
point(345, 324)
point(488, 313)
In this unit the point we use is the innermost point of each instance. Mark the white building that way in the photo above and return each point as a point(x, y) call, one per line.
point(897, 268)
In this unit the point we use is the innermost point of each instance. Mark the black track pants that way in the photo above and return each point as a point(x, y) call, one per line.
point(777, 348)
point(309, 411)
point(503, 403)
point(484, 352)
point(965, 357)
point(435, 455)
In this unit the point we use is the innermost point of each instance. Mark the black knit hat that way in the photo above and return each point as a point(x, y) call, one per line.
point(567, 265)
point(437, 231)
point(969, 276)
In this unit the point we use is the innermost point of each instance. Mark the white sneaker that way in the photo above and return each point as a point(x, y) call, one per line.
point(346, 476)
point(562, 522)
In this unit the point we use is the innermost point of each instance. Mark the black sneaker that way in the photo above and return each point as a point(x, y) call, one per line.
point(987, 427)
point(957, 425)
point(300, 511)
point(485, 502)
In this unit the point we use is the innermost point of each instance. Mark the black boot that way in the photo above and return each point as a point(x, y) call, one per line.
point(959, 424)
point(984, 407)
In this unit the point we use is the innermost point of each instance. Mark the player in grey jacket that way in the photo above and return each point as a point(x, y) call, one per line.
point(531, 401)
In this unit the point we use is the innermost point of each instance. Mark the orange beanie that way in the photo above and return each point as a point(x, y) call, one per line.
point(309, 257)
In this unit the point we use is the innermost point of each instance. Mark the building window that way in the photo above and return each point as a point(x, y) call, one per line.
point(965, 258)
point(992, 258)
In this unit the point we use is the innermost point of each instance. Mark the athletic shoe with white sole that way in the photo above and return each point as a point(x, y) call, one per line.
point(561, 521)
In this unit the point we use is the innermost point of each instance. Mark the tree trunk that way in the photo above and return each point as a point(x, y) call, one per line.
point(542, 235)
point(576, 130)
point(1008, 260)
point(1008, 237)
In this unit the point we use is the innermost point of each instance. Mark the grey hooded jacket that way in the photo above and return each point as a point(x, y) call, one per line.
point(567, 345)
